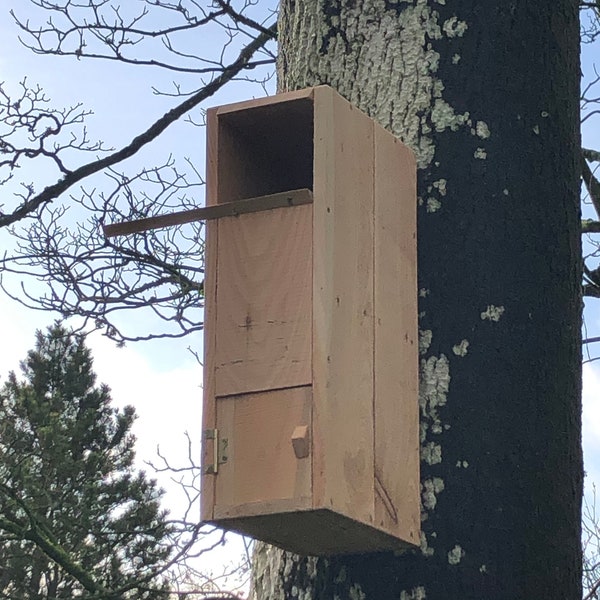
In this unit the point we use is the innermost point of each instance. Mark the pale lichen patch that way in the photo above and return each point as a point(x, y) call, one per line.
point(272, 571)
point(462, 464)
point(454, 28)
point(433, 205)
point(431, 453)
point(424, 340)
point(455, 59)
point(483, 569)
point(433, 390)
point(455, 555)
point(492, 313)
point(422, 431)
point(378, 45)
point(480, 153)
point(417, 593)
point(356, 593)
point(435, 381)
point(438, 88)
point(423, 293)
point(437, 428)
point(505, 192)
point(536, 129)
point(482, 130)
point(461, 348)
point(443, 116)
point(426, 549)
point(440, 186)
point(430, 488)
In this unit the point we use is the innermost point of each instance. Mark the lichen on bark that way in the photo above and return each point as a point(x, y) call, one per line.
point(380, 56)
point(443, 77)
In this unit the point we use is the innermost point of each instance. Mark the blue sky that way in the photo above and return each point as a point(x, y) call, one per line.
point(161, 379)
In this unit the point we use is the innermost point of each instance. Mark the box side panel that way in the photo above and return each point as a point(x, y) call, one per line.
point(343, 308)
point(397, 505)
point(261, 465)
point(211, 229)
point(263, 320)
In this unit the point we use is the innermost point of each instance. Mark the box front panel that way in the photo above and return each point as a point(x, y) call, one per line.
point(264, 296)
point(261, 468)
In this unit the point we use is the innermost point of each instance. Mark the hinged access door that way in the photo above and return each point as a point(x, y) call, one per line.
point(263, 472)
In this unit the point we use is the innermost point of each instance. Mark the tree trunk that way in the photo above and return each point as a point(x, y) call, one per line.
point(486, 94)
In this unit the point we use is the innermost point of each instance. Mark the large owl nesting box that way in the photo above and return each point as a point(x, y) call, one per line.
point(310, 386)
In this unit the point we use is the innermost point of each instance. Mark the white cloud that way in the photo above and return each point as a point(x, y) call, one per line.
point(18, 333)
point(168, 403)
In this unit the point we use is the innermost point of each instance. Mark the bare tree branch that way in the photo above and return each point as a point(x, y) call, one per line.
point(108, 31)
point(34, 201)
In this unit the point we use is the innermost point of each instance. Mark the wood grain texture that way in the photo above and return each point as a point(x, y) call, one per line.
point(264, 301)
point(207, 497)
point(397, 506)
point(262, 466)
point(266, 101)
point(212, 155)
point(343, 308)
point(286, 507)
point(323, 267)
point(207, 213)
point(312, 532)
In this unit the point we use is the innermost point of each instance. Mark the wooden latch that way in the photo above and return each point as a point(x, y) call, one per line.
point(301, 441)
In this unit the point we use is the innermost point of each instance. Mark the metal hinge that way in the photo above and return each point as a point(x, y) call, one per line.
point(220, 448)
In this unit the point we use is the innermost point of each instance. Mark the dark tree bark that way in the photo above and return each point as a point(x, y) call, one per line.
point(487, 96)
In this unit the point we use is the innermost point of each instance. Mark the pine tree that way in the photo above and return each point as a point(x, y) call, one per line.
point(76, 518)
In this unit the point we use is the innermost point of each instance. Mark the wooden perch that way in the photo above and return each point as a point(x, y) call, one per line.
point(227, 209)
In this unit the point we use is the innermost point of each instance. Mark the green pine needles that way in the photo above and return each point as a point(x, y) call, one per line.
point(77, 520)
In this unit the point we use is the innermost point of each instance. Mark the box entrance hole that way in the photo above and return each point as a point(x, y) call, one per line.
point(265, 150)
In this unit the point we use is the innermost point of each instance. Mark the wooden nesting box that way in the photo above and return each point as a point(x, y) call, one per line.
point(310, 392)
